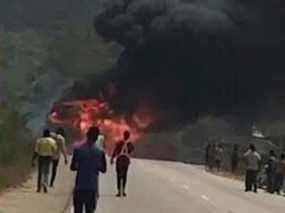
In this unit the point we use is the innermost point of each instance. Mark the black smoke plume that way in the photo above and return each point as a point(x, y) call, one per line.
point(190, 57)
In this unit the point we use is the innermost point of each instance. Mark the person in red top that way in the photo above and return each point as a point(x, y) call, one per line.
point(122, 153)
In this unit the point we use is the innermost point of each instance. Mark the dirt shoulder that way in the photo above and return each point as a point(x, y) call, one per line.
point(25, 199)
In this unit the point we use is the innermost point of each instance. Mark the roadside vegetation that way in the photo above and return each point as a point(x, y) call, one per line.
point(28, 62)
point(15, 148)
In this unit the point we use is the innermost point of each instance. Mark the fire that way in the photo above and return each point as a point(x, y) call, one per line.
point(82, 114)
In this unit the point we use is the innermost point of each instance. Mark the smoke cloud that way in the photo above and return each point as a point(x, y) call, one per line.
point(190, 57)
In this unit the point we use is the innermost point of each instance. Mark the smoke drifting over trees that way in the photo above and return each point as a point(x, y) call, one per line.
point(192, 57)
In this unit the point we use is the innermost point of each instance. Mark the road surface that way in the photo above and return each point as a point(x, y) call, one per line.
point(167, 187)
point(25, 199)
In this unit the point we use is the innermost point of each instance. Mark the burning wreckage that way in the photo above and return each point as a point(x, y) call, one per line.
point(80, 115)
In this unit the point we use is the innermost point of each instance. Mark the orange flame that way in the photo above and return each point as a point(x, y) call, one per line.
point(82, 114)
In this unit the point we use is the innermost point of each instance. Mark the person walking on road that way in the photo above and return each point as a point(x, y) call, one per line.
point(253, 163)
point(270, 166)
point(88, 161)
point(59, 137)
point(207, 156)
point(219, 157)
point(122, 153)
point(235, 159)
point(212, 156)
point(45, 148)
point(100, 143)
point(280, 174)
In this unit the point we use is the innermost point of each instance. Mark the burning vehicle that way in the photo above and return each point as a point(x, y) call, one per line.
point(80, 115)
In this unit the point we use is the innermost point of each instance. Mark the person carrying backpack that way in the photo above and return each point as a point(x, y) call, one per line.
point(122, 153)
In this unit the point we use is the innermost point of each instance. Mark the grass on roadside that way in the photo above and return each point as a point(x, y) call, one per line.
point(15, 149)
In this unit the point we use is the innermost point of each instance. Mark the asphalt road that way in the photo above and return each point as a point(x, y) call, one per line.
point(154, 187)
point(167, 187)
point(24, 199)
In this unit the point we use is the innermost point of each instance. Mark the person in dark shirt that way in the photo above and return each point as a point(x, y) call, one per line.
point(219, 157)
point(280, 174)
point(271, 170)
point(207, 155)
point(235, 159)
point(122, 153)
point(88, 161)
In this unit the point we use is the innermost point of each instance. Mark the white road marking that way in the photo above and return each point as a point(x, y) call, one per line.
point(204, 197)
point(184, 186)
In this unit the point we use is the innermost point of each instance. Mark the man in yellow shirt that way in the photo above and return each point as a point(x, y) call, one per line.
point(45, 148)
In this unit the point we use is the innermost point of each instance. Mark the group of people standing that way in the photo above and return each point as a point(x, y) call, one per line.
point(269, 171)
point(273, 169)
point(214, 156)
point(88, 160)
point(275, 172)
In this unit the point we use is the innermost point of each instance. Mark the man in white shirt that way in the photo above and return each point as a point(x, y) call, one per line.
point(253, 164)
point(100, 143)
point(59, 137)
